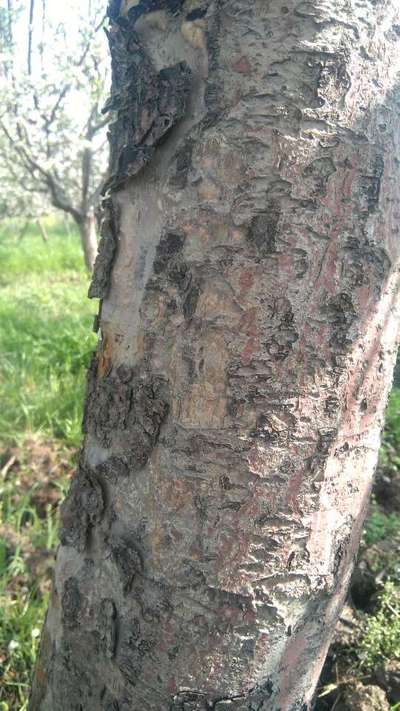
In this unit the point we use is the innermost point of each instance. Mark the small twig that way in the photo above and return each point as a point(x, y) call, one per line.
point(8, 466)
point(336, 701)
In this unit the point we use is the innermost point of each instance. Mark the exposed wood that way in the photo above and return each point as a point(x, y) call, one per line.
point(8, 465)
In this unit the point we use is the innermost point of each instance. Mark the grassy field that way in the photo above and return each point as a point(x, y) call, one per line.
point(45, 335)
point(46, 341)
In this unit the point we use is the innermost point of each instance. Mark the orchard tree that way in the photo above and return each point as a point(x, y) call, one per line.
point(248, 276)
point(52, 129)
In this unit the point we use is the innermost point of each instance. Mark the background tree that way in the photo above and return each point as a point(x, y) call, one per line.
point(51, 125)
point(249, 279)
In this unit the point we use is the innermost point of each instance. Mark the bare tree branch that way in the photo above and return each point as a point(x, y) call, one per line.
point(58, 197)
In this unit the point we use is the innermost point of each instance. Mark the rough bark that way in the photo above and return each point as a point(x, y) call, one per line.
point(88, 232)
point(248, 271)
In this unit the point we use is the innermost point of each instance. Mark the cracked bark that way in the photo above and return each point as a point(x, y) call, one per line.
point(248, 272)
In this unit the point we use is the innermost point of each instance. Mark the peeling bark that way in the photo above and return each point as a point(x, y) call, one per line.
point(248, 276)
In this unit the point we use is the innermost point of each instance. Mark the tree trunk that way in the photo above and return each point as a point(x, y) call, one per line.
point(88, 232)
point(23, 231)
point(67, 224)
point(248, 271)
point(30, 34)
point(42, 229)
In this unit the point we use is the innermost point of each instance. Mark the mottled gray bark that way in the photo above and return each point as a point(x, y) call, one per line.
point(248, 271)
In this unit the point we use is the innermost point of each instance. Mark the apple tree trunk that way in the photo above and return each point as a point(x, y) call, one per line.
point(248, 275)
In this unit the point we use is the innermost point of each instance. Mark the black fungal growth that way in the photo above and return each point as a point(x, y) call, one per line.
point(133, 650)
point(143, 7)
point(263, 230)
point(171, 270)
point(125, 411)
point(341, 315)
point(108, 627)
point(183, 164)
point(370, 186)
point(109, 231)
point(129, 562)
point(145, 107)
point(196, 14)
point(82, 510)
point(71, 603)
point(195, 701)
point(169, 246)
point(146, 104)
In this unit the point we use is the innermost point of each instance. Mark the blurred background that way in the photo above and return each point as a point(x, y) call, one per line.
point(54, 77)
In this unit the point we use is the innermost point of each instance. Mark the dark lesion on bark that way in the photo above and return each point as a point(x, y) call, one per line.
point(191, 300)
point(111, 470)
point(109, 231)
point(318, 173)
point(173, 276)
point(263, 230)
point(283, 332)
point(146, 104)
point(108, 627)
point(301, 263)
point(83, 508)
point(333, 76)
point(168, 249)
point(133, 649)
point(71, 603)
point(125, 409)
point(370, 186)
point(143, 7)
point(72, 682)
point(128, 560)
point(182, 165)
point(341, 315)
point(256, 699)
point(365, 263)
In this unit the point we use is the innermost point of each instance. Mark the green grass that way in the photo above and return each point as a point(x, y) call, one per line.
point(46, 340)
point(28, 537)
point(19, 636)
point(390, 450)
point(380, 525)
point(45, 335)
point(30, 255)
point(381, 640)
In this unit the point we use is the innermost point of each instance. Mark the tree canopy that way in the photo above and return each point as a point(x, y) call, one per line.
point(53, 80)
